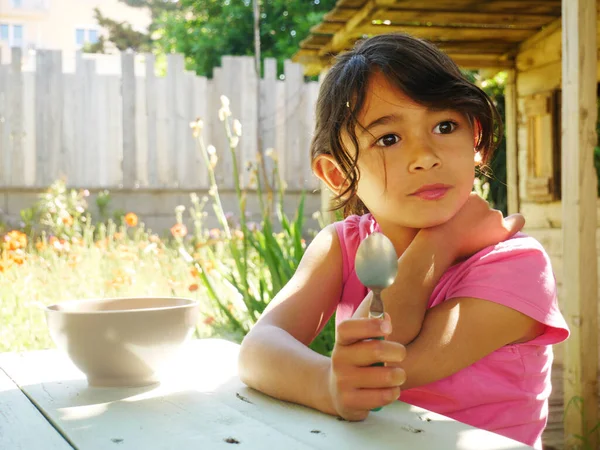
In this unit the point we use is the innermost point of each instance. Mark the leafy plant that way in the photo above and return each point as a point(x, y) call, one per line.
point(261, 261)
point(584, 441)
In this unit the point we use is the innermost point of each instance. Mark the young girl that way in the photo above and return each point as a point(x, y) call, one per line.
point(472, 314)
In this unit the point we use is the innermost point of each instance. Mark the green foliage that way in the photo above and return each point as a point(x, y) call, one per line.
point(583, 441)
point(492, 178)
point(121, 34)
point(206, 30)
point(253, 262)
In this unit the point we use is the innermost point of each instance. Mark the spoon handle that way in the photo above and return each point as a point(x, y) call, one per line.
point(376, 312)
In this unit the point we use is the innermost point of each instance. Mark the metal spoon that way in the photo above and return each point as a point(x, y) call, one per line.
point(376, 266)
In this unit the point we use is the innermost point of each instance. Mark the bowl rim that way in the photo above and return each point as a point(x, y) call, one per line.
point(189, 303)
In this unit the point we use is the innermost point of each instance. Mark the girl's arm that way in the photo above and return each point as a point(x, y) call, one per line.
point(459, 332)
point(275, 358)
point(431, 253)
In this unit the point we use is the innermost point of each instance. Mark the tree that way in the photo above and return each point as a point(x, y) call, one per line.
point(205, 30)
point(122, 35)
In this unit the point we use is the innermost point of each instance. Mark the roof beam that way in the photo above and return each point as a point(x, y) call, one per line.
point(473, 19)
point(341, 40)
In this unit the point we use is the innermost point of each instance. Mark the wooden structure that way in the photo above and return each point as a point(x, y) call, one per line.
point(549, 49)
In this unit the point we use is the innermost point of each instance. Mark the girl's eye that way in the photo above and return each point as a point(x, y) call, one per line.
point(445, 127)
point(387, 140)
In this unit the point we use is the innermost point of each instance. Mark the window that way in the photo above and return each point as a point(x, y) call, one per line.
point(17, 3)
point(12, 34)
point(85, 35)
point(17, 36)
point(92, 36)
point(79, 37)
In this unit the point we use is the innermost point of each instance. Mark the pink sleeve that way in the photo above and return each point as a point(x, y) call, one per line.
point(516, 273)
point(340, 229)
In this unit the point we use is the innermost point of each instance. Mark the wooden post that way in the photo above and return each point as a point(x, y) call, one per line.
point(580, 285)
point(510, 111)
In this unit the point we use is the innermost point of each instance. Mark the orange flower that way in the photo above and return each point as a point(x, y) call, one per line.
point(15, 240)
point(193, 287)
point(40, 245)
point(118, 236)
point(194, 272)
point(179, 230)
point(18, 257)
point(131, 219)
point(68, 220)
point(209, 320)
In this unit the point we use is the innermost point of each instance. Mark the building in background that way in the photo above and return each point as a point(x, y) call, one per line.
point(65, 25)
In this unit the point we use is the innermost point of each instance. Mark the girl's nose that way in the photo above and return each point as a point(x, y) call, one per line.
point(424, 159)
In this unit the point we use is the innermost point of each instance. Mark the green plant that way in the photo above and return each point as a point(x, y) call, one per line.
point(261, 260)
point(59, 212)
point(584, 441)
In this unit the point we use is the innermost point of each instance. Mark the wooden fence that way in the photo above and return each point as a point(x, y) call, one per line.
point(132, 128)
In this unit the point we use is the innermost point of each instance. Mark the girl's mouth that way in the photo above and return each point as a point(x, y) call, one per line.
point(431, 191)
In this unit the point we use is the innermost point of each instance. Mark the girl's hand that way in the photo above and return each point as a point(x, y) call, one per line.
point(354, 386)
point(474, 227)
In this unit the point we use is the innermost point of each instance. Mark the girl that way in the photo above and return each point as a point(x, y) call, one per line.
point(472, 314)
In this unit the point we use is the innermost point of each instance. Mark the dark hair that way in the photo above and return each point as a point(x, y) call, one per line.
point(423, 72)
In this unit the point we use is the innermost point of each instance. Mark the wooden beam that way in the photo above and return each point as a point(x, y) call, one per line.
point(579, 188)
point(546, 7)
point(510, 123)
point(438, 33)
point(468, 18)
point(482, 61)
point(342, 39)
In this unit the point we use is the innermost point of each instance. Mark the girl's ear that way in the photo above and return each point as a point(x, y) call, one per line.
point(328, 171)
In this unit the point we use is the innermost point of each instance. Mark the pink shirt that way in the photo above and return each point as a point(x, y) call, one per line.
point(507, 391)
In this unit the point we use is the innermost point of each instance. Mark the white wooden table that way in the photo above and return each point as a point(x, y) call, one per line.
point(45, 404)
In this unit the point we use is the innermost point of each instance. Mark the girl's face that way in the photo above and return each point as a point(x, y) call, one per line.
point(416, 164)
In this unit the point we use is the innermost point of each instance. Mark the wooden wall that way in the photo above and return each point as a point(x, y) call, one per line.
point(538, 74)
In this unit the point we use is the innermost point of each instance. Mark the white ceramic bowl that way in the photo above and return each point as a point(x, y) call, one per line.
point(122, 341)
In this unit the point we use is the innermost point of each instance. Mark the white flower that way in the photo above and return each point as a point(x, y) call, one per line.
point(211, 150)
point(213, 160)
point(180, 209)
point(197, 127)
point(237, 127)
point(234, 141)
point(224, 112)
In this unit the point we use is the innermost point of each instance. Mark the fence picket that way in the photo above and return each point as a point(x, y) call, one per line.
point(129, 127)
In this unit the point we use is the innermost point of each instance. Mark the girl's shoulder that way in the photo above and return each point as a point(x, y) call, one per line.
point(351, 232)
point(516, 273)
